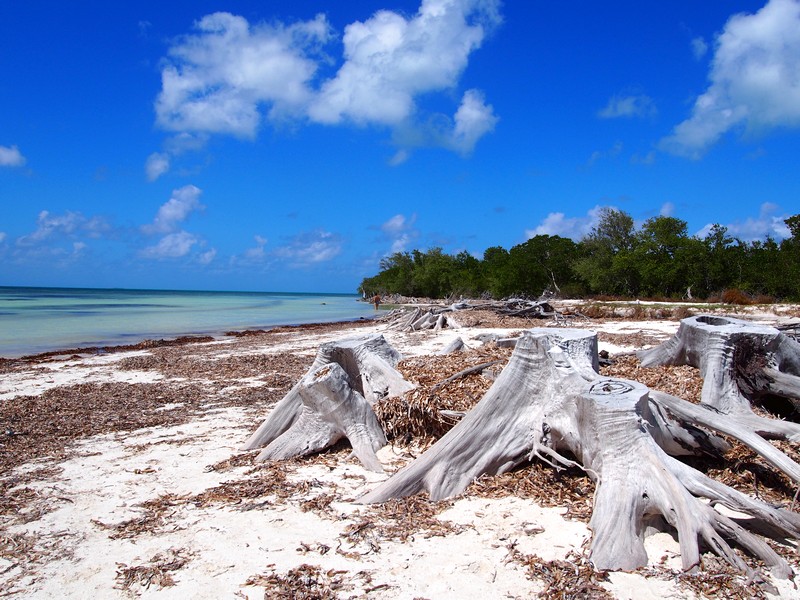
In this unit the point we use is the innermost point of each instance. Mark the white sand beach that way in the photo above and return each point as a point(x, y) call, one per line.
point(174, 509)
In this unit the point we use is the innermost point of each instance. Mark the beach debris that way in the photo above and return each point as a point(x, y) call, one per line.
point(551, 403)
point(457, 345)
point(433, 318)
point(157, 571)
point(334, 400)
point(432, 408)
point(436, 318)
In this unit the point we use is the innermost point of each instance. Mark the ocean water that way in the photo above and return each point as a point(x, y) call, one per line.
point(34, 320)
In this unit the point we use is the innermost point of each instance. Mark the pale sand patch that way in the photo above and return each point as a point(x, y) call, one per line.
point(105, 483)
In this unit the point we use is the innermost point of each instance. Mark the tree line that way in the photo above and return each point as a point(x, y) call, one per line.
point(657, 260)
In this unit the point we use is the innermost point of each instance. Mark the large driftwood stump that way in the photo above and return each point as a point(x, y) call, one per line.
point(549, 402)
point(333, 400)
point(740, 362)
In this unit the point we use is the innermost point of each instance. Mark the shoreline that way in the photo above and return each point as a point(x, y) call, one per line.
point(179, 340)
point(123, 475)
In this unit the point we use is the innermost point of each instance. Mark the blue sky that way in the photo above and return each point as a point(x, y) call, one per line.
point(289, 146)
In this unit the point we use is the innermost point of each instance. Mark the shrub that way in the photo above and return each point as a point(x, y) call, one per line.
point(735, 296)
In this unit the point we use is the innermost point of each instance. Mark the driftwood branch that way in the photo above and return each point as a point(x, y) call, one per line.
point(464, 373)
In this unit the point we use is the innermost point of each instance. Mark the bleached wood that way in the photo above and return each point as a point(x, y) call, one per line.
point(550, 402)
point(331, 409)
point(369, 362)
point(739, 362)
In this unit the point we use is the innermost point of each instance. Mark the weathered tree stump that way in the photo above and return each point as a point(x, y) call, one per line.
point(550, 403)
point(334, 400)
point(740, 362)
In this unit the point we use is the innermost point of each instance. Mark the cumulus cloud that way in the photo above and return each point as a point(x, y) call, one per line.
point(389, 60)
point(156, 165)
point(68, 224)
point(557, 223)
point(620, 106)
point(769, 222)
point(667, 209)
point(173, 245)
point(10, 156)
point(174, 211)
point(754, 80)
point(216, 80)
point(400, 231)
point(473, 119)
point(309, 248)
point(2, 236)
point(230, 76)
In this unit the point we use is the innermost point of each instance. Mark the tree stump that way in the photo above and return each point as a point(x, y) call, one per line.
point(333, 400)
point(550, 403)
point(740, 362)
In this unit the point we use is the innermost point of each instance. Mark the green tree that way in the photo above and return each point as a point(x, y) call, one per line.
point(605, 262)
point(664, 257)
point(496, 270)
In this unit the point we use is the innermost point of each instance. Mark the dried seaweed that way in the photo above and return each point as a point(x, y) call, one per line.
point(311, 582)
point(418, 414)
point(158, 571)
point(47, 424)
point(573, 578)
point(716, 579)
point(399, 519)
point(570, 488)
point(152, 520)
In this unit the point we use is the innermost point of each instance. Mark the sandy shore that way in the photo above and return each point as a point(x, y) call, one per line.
point(123, 476)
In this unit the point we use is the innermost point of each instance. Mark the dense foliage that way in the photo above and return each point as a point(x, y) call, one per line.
point(660, 259)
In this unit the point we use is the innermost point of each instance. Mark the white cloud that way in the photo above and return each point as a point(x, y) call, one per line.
point(400, 231)
point(173, 245)
point(699, 47)
point(398, 224)
point(229, 76)
point(156, 165)
point(557, 223)
point(256, 253)
point(667, 209)
point(216, 80)
point(2, 236)
point(754, 80)
point(628, 106)
point(310, 248)
point(390, 59)
point(473, 119)
point(208, 256)
point(767, 223)
point(174, 211)
point(68, 224)
point(10, 156)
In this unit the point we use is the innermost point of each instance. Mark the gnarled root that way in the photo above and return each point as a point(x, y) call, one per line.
point(550, 403)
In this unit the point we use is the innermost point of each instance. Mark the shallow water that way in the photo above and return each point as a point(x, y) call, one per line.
point(34, 320)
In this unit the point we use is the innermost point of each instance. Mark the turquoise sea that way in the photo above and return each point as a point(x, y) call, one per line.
point(34, 320)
